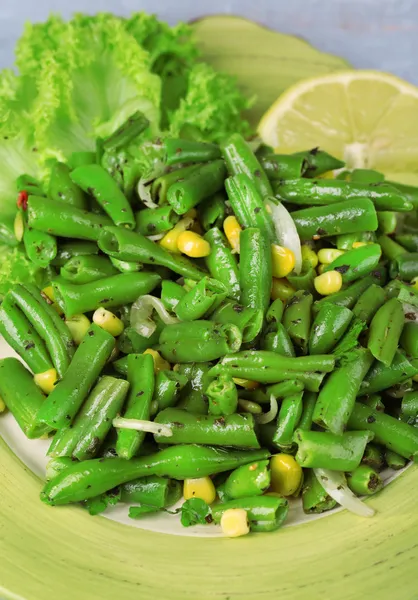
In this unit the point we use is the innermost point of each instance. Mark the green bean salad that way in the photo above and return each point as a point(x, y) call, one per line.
point(238, 329)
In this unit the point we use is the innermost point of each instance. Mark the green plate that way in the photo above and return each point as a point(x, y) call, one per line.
point(64, 554)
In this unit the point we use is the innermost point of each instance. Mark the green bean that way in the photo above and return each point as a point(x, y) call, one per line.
point(285, 388)
point(127, 132)
point(248, 480)
point(385, 331)
point(405, 266)
point(276, 339)
point(409, 241)
point(346, 240)
point(283, 166)
point(305, 279)
point(99, 184)
point(337, 397)
point(366, 176)
point(78, 159)
point(407, 294)
point(84, 269)
point(30, 185)
point(249, 406)
point(388, 221)
point(110, 291)
point(161, 185)
point(255, 269)
point(364, 481)
point(248, 320)
point(351, 339)
point(221, 262)
point(395, 435)
point(275, 311)
point(61, 406)
point(373, 457)
point(22, 397)
point(200, 184)
point(381, 377)
point(189, 151)
point(151, 221)
point(68, 222)
point(330, 324)
point(348, 216)
point(314, 498)
point(34, 308)
point(131, 246)
point(374, 401)
point(240, 159)
point(331, 191)
point(248, 206)
point(229, 430)
point(201, 299)
point(319, 162)
point(40, 247)
point(63, 189)
point(212, 211)
point(308, 407)
point(357, 263)
point(409, 405)
point(22, 337)
point(265, 513)
point(142, 382)
point(90, 478)
point(369, 303)
point(75, 248)
point(132, 342)
point(410, 191)
point(155, 491)
point(297, 318)
point(390, 249)
point(324, 450)
point(83, 438)
point(222, 395)
point(168, 385)
point(287, 421)
point(193, 397)
point(394, 461)
point(348, 296)
point(171, 294)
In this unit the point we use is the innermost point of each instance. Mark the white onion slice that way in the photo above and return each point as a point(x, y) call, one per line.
point(285, 230)
point(144, 184)
point(141, 313)
point(156, 237)
point(139, 425)
point(411, 311)
point(270, 415)
point(335, 484)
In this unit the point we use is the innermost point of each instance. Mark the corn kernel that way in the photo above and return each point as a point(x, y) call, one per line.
point(2, 406)
point(159, 363)
point(169, 241)
point(328, 283)
point(327, 175)
point(232, 231)
point(234, 522)
point(193, 245)
point(49, 295)
point(309, 255)
point(321, 269)
point(327, 255)
point(246, 383)
point(46, 380)
point(286, 474)
point(108, 321)
point(78, 326)
point(19, 226)
point(201, 487)
point(282, 259)
point(282, 289)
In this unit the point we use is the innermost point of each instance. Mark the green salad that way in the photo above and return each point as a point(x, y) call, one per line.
point(200, 317)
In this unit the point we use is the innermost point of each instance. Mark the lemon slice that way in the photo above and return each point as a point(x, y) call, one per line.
point(367, 118)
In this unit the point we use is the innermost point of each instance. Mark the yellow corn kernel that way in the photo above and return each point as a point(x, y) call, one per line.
point(327, 255)
point(46, 380)
point(2, 405)
point(169, 241)
point(192, 244)
point(328, 283)
point(246, 383)
point(310, 255)
point(19, 226)
point(78, 326)
point(327, 175)
point(282, 289)
point(282, 259)
point(108, 321)
point(45, 436)
point(159, 363)
point(232, 230)
point(321, 268)
point(49, 295)
point(201, 487)
point(234, 522)
point(286, 474)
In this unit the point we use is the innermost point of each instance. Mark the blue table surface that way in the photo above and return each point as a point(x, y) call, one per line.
point(374, 34)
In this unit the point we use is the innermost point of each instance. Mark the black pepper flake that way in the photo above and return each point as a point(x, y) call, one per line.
point(343, 269)
point(140, 394)
point(151, 227)
point(90, 190)
point(238, 308)
point(371, 419)
point(314, 151)
point(257, 173)
point(321, 231)
point(29, 346)
point(219, 422)
point(178, 424)
point(91, 333)
point(257, 210)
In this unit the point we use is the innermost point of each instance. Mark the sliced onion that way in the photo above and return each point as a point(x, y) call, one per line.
point(139, 425)
point(156, 237)
point(141, 315)
point(335, 484)
point(410, 311)
point(269, 415)
point(286, 230)
point(144, 184)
